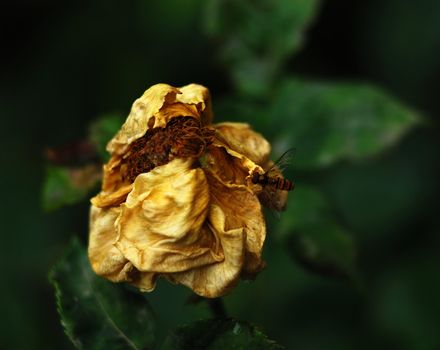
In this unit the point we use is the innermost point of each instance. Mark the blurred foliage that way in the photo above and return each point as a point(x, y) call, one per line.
point(366, 169)
point(256, 37)
point(102, 130)
point(66, 185)
point(332, 122)
point(315, 240)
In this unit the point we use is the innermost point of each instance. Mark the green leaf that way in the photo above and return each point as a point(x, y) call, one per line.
point(102, 130)
point(218, 334)
point(314, 239)
point(256, 37)
point(65, 186)
point(95, 313)
point(328, 122)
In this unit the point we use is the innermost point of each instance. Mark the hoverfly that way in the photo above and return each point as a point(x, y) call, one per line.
point(272, 181)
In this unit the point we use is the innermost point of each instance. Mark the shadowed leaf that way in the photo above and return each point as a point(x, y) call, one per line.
point(218, 334)
point(95, 313)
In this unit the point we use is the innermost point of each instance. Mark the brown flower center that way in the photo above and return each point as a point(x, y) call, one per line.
point(183, 137)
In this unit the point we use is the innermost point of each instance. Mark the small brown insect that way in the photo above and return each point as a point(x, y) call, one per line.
point(278, 182)
point(272, 181)
point(272, 177)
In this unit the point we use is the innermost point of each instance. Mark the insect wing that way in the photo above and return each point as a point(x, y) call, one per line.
point(283, 161)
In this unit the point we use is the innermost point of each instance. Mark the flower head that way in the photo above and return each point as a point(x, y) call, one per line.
point(177, 200)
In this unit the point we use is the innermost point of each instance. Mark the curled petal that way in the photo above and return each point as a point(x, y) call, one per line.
point(145, 281)
point(142, 111)
point(242, 210)
point(105, 258)
point(242, 139)
point(161, 224)
point(198, 95)
point(114, 187)
point(230, 166)
point(212, 281)
point(104, 200)
point(235, 217)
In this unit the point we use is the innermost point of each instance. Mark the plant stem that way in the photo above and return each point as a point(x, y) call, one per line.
point(217, 307)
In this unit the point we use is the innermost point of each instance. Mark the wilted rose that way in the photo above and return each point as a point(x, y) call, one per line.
point(177, 199)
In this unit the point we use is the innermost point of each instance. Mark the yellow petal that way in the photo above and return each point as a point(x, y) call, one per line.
point(160, 227)
point(145, 281)
point(242, 139)
point(212, 281)
point(111, 199)
point(234, 190)
point(105, 258)
point(198, 95)
point(242, 210)
point(142, 111)
point(114, 187)
point(228, 165)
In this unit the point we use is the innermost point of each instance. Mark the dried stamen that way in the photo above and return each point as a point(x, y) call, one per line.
point(183, 137)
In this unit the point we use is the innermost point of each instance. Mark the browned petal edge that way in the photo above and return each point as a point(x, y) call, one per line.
point(218, 169)
point(242, 139)
point(231, 166)
point(199, 96)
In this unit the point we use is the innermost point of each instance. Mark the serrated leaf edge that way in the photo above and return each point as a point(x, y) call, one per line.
point(58, 295)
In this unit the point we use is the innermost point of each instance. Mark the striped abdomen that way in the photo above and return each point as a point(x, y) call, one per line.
point(278, 182)
point(281, 183)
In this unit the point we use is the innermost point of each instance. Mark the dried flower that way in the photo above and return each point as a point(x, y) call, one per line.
point(176, 199)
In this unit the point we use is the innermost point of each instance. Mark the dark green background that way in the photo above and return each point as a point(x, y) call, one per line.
point(65, 63)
